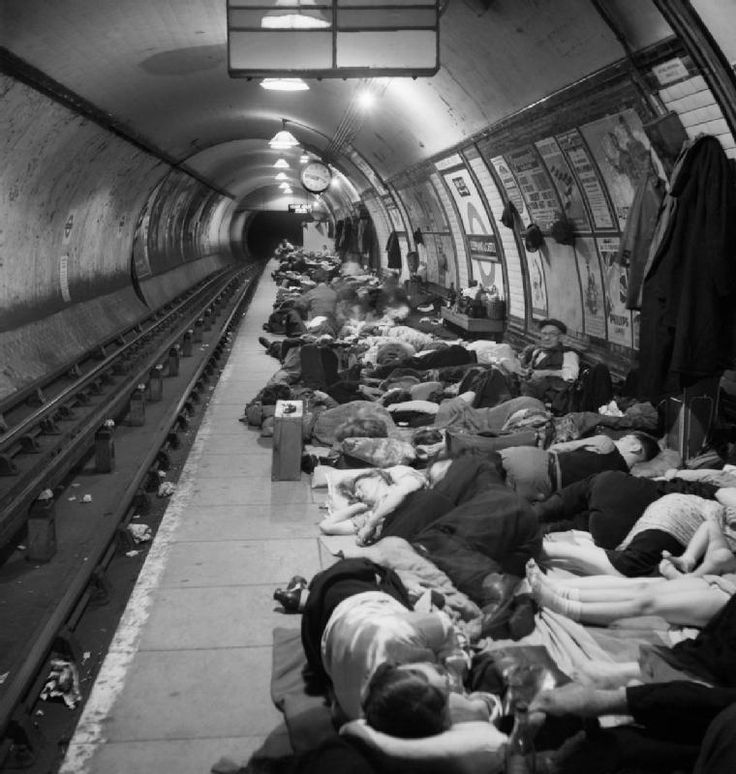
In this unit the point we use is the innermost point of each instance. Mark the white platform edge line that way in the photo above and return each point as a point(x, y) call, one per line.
point(89, 734)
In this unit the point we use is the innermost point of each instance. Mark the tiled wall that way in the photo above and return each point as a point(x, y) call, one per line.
point(693, 101)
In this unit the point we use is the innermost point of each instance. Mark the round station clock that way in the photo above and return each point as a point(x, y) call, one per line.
point(315, 176)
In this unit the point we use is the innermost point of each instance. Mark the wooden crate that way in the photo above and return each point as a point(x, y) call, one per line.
point(286, 463)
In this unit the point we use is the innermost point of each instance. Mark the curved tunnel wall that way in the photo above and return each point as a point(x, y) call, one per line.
point(70, 196)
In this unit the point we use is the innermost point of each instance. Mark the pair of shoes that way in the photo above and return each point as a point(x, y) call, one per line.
point(263, 341)
point(290, 597)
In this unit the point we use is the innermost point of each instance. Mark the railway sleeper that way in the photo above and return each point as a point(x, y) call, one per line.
point(7, 466)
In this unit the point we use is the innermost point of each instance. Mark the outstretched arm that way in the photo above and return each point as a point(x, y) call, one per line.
point(387, 504)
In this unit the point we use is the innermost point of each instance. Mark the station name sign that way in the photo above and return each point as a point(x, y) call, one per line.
point(301, 209)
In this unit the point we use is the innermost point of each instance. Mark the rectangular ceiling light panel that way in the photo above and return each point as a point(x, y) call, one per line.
point(332, 38)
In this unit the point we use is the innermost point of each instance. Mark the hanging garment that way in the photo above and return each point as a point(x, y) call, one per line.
point(687, 313)
point(339, 227)
point(393, 248)
point(637, 236)
point(418, 237)
point(366, 237)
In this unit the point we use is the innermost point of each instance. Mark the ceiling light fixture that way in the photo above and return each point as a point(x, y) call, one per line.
point(304, 158)
point(304, 18)
point(283, 140)
point(282, 176)
point(284, 84)
point(366, 99)
point(282, 164)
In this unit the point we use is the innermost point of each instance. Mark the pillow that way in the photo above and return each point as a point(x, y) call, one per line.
point(466, 748)
point(664, 461)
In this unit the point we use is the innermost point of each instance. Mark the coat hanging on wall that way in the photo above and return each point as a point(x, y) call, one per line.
point(393, 248)
point(418, 237)
point(689, 292)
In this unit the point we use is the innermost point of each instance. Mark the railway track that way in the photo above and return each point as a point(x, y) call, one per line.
point(98, 436)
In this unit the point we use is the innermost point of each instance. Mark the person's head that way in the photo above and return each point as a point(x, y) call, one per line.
point(551, 333)
point(408, 700)
point(368, 487)
point(637, 447)
point(320, 275)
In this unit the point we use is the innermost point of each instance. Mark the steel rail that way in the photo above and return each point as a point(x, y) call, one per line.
point(17, 689)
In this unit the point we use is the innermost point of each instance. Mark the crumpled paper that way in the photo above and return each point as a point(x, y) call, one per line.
point(141, 533)
point(62, 682)
point(166, 489)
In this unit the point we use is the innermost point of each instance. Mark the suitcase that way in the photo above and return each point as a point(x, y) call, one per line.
point(286, 463)
point(689, 417)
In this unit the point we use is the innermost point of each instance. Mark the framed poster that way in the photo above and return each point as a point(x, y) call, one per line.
point(571, 198)
point(574, 147)
point(536, 186)
point(594, 301)
point(616, 283)
point(508, 181)
point(622, 153)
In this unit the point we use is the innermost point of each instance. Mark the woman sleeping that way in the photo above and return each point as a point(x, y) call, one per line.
point(666, 526)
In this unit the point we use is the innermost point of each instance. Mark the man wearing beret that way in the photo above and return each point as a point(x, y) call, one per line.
point(550, 367)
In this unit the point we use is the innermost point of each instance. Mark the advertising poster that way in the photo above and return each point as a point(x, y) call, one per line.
point(536, 186)
point(564, 180)
point(430, 256)
point(594, 299)
point(621, 150)
point(616, 283)
point(538, 284)
point(508, 181)
point(573, 145)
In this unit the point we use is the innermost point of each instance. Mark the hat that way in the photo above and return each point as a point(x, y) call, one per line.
point(563, 232)
point(509, 214)
point(533, 238)
point(557, 323)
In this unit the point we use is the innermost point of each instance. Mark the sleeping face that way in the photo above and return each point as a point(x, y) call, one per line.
point(370, 489)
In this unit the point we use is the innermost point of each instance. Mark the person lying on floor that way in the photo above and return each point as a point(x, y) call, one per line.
point(468, 523)
point(400, 669)
point(686, 600)
point(680, 724)
point(537, 473)
point(374, 494)
point(666, 527)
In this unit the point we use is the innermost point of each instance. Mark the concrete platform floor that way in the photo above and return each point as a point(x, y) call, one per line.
point(186, 680)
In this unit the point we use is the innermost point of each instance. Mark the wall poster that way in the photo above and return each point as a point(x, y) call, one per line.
point(616, 282)
point(574, 146)
point(538, 284)
point(567, 187)
point(594, 301)
point(622, 152)
point(536, 186)
point(508, 181)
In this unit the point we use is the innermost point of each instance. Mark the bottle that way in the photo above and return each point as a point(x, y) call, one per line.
point(520, 747)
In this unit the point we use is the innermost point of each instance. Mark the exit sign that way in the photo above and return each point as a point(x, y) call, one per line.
point(302, 209)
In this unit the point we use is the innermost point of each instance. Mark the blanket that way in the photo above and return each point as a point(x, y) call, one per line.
point(417, 573)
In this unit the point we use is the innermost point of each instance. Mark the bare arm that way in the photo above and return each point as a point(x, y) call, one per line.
point(601, 444)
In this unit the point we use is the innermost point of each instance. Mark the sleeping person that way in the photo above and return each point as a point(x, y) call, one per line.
point(666, 527)
point(400, 669)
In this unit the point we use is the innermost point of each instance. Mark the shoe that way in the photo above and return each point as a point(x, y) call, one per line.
point(289, 598)
point(263, 341)
point(297, 581)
